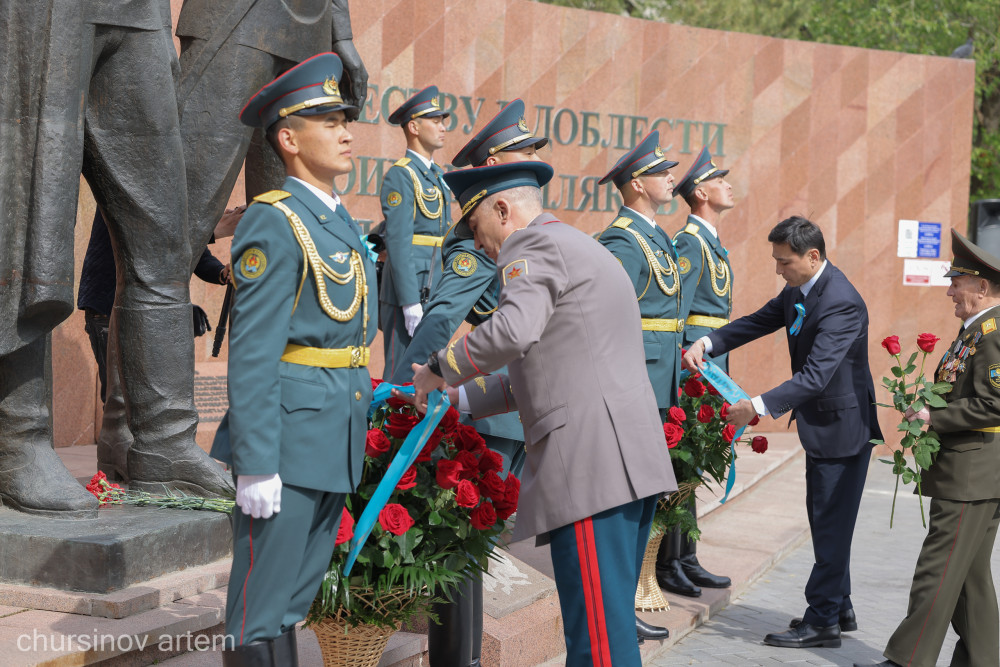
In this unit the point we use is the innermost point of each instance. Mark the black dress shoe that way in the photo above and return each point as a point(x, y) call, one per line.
point(647, 631)
point(885, 663)
point(672, 578)
point(848, 621)
point(806, 636)
point(700, 576)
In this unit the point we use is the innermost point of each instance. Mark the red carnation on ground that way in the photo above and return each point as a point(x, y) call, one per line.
point(676, 415)
point(408, 480)
point(673, 434)
point(926, 342)
point(466, 494)
point(470, 465)
point(345, 531)
point(492, 486)
point(891, 344)
point(395, 519)
point(693, 388)
point(728, 431)
point(490, 460)
point(483, 517)
point(376, 443)
point(449, 473)
point(705, 413)
point(759, 444)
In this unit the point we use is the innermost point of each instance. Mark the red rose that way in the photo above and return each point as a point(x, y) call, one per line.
point(926, 341)
point(673, 434)
point(676, 415)
point(399, 425)
point(693, 388)
point(395, 403)
point(470, 464)
point(491, 460)
point(483, 517)
point(493, 486)
point(512, 492)
point(466, 495)
point(448, 474)
point(705, 413)
point(728, 431)
point(432, 442)
point(408, 480)
point(449, 421)
point(755, 420)
point(711, 389)
point(345, 531)
point(724, 411)
point(466, 438)
point(376, 382)
point(891, 344)
point(395, 519)
point(759, 444)
point(376, 443)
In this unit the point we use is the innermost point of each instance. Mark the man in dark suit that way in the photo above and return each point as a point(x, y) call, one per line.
point(952, 583)
point(831, 395)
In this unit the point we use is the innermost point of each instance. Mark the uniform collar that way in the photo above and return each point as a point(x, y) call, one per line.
point(427, 163)
point(639, 216)
point(707, 225)
point(331, 200)
point(975, 317)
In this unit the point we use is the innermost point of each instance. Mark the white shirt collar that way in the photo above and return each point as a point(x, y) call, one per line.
point(708, 225)
point(976, 316)
point(812, 281)
point(427, 162)
point(330, 199)
point(649, 220)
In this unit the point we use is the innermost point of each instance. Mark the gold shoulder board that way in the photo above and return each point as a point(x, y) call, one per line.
point(401, 162)
point(691, 228)
point(622, 222)
point(272, 196)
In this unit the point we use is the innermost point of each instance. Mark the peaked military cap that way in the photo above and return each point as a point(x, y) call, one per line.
point(703, 169)
point(971, 260)
point(424, 104)
point(506, 132)
point(471, 186)
point(645, 159)
point(312, 87)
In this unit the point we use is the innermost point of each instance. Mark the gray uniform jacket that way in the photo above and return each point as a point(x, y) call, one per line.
point(568, 328)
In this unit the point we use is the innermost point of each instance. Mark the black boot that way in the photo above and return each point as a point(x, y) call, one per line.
point(477, 621)
point(281, 651)
point(669, 573)
point(450, 644)
point(693, 569)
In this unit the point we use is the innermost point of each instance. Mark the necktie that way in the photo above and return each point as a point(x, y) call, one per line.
point(800, 308)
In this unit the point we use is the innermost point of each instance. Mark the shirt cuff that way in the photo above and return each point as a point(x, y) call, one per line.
point(463, 401)
point(758, 405)
point(707, 342)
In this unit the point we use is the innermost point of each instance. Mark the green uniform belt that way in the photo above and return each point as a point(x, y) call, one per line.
point(652, 324)
point(343, 357)
point(706, 321)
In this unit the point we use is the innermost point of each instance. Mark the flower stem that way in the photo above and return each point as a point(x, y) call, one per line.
point(893, 512)
point(921, 497)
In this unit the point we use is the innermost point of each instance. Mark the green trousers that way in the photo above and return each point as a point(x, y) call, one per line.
point(953, 584)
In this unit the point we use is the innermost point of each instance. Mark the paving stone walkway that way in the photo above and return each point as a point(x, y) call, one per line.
point(881, 567)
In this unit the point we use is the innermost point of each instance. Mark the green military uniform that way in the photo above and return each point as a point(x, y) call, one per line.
point(647, 255)
point(708, 284)
point(952, 582)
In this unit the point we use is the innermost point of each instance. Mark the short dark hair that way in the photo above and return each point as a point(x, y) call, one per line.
point(800, 234)
point(272, 132)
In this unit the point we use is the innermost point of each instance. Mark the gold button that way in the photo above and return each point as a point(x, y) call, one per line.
point(357, 396)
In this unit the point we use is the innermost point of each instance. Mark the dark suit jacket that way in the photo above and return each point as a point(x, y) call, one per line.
point(831, 392)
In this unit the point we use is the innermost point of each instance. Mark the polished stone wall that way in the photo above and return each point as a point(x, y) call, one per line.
point(854, 139)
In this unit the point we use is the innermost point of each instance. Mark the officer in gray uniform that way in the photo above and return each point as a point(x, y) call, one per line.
point(299, 389)
point(415, 203)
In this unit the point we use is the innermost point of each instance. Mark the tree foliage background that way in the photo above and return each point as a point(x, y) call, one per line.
point(929, 27)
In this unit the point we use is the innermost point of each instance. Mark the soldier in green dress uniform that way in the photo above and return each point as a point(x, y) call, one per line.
point(952, 583)
point(706, 303)
point(643, 178)
point(469, 289)
point(304, 317)
point(415, 203)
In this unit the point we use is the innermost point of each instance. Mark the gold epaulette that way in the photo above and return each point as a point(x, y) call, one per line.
point(272, 196)
point(690, 228)
point(622, 222)
point(401, 162)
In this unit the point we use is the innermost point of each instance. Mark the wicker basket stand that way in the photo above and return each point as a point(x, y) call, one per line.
point(648, 596)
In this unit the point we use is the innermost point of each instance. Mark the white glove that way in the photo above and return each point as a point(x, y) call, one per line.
point(259, 495)
point(411, 317)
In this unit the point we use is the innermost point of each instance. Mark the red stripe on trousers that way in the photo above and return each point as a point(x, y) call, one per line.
point(940, 584)
point(243, 624)
point(593, 599)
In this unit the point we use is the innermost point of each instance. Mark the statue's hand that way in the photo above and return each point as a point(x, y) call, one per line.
point(356, 91)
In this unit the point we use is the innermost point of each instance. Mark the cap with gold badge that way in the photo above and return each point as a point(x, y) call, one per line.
point(971, 260)
point(425, 104)
point(645, 159)
point(312, 87)
point(506, 132)
point(471, 186)
point(703, 169)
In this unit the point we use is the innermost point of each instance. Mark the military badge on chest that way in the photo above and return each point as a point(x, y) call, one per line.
point(954, 362)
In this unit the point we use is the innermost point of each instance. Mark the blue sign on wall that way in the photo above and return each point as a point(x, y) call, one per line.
point(929, 239)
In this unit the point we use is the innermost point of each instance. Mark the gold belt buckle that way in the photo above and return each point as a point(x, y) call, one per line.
point(680, 325)
point(355, 356)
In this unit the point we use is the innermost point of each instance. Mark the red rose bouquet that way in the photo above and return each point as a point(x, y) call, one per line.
point(438, 525)
point(699, 441)
point(923, 445)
